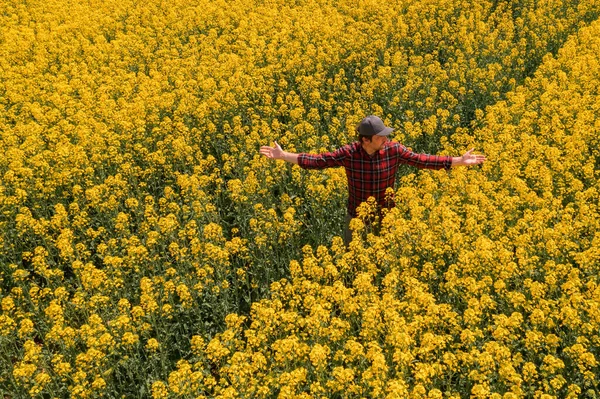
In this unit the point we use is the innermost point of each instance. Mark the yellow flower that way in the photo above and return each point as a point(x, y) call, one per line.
point(215, 350)
point(61, 367)
point(98, 384)
point(159, 390)
point(7, 325)
point(129, 339)
point(24, 371)
point(26, 328)
point(342, 377)
point(318, 356)
point(152, 345)
point(8, 304)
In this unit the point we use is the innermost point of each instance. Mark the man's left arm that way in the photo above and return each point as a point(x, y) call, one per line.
point(426, 161)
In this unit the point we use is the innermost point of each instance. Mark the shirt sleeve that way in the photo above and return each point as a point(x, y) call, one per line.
point(324, 160)
point(422, 161)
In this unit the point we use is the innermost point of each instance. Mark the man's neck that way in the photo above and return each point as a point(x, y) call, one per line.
point(368, 149)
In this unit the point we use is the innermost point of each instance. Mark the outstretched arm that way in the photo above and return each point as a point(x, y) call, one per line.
point(277, 153)
point(468, 159)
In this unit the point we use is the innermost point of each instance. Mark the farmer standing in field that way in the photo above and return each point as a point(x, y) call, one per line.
point(371, 163)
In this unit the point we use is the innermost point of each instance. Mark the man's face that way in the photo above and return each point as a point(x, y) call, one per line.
point(375, 144)
point(379, 142)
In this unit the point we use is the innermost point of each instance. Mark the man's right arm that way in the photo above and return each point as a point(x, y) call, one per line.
point(307, 161)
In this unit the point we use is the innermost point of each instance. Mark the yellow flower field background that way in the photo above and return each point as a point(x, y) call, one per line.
point(148, 250)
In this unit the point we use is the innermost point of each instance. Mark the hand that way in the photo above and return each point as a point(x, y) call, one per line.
point(469, 159)
point(272, 152)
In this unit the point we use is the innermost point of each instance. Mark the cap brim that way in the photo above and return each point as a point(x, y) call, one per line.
point(385, 132)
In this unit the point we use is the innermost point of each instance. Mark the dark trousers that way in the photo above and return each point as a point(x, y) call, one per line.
point(347, 232)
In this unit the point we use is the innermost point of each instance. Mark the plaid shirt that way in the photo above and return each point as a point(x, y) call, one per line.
point(371, 175)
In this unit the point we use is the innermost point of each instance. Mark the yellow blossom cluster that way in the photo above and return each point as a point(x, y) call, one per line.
point(147, 249)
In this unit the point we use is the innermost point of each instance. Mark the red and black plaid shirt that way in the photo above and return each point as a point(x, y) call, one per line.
point(371, 175)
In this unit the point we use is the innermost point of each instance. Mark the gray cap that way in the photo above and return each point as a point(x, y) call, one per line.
point(373, 126)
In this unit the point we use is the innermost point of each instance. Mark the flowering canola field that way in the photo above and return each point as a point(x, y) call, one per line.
point(147, 250)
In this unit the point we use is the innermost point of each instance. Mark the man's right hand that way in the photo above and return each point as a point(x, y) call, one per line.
point(277, 153)
point(272, 152)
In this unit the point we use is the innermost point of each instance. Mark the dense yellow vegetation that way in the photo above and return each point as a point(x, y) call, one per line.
point(148, 250)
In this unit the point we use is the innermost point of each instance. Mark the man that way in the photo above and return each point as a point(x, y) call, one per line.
point(371, 164)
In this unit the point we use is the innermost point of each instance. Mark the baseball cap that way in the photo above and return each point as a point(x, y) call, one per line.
point(373, 126)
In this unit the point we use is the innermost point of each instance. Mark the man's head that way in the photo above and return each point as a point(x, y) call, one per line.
point(372, 127)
